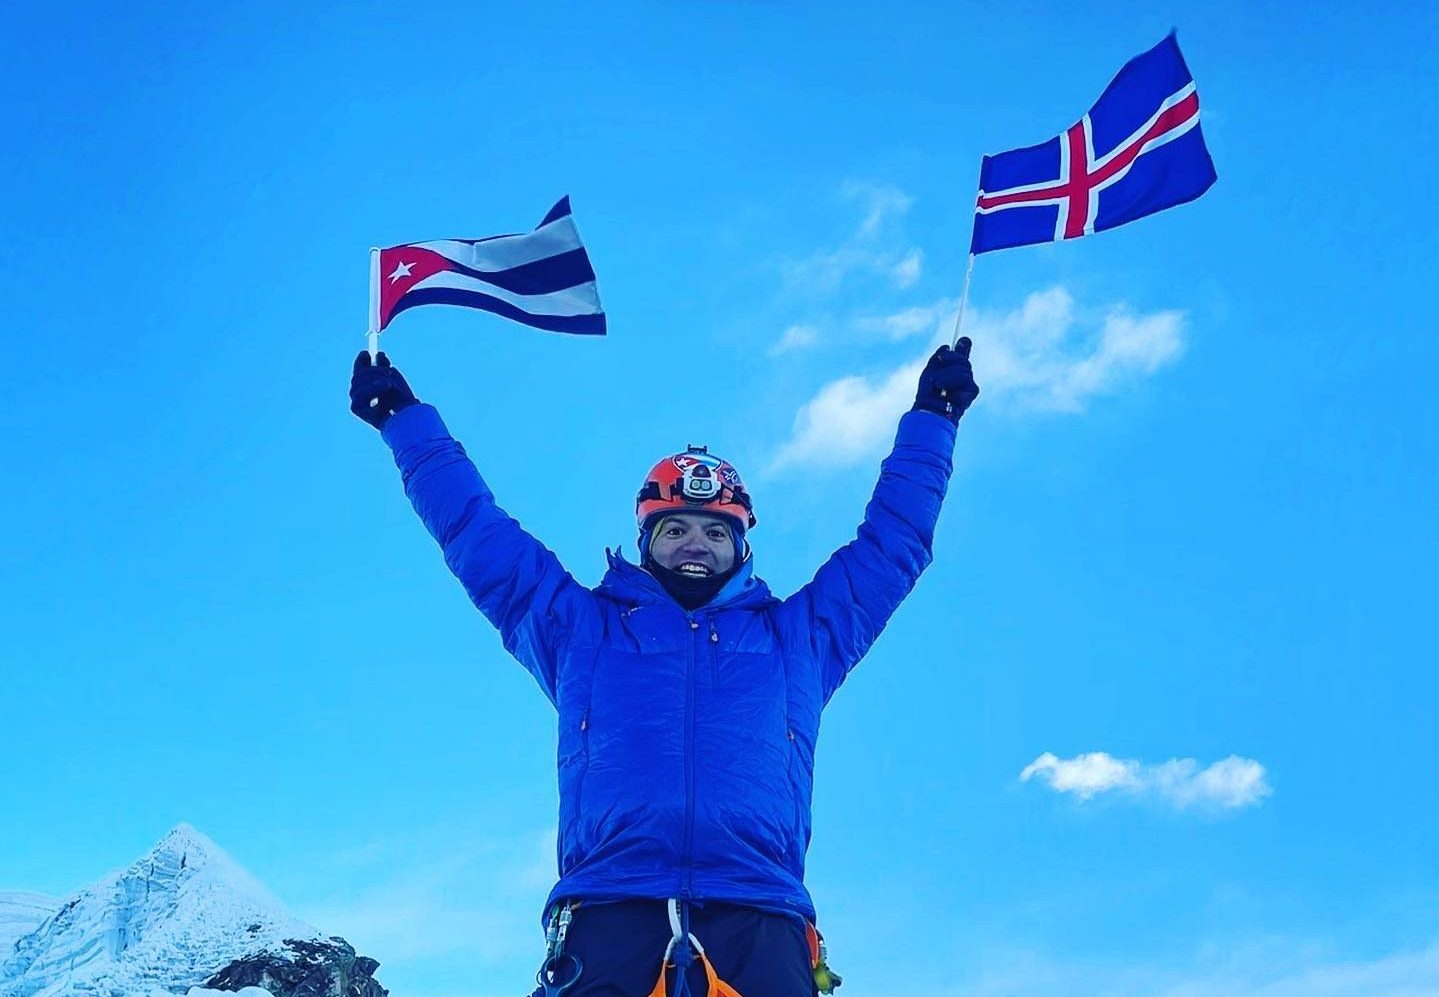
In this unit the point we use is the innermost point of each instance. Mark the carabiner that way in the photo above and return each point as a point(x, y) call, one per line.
point(553, 979)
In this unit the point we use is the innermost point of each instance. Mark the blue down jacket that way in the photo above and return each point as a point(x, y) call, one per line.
point(686, 740)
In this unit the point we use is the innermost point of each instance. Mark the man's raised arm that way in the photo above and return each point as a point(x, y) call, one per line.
point(512, 578)
point(857, 590)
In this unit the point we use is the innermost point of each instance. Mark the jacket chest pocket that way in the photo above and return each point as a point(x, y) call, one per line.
point(743, 633)
point(748, 701)
point(654, 630)
point(630, 689)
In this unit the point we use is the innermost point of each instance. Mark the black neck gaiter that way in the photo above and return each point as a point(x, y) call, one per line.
point(691, 593)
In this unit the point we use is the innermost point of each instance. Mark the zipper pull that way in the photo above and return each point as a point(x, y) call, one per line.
point(714, 634)
point(694, 624)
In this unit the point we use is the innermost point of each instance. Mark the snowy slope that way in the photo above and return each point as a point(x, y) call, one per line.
point(167, 923)
point(20, 914)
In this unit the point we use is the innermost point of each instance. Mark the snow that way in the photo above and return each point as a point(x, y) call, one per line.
point(165, 924)
point(20, 914)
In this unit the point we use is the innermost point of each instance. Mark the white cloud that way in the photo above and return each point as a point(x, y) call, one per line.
point(906, 271)
point(1039, 358)
point(930, 320)
point(849, 419)
point(1084, 775)
point(796, 337)
point(1229, 784)
point(873, 247)
point(825, 271)
point(883, 202)
point(1036, 358)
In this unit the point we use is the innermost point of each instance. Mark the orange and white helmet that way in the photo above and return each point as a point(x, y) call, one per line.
point(694, 481)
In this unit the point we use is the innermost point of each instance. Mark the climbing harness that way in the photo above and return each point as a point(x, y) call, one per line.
point(687, 947)
point(561, 969)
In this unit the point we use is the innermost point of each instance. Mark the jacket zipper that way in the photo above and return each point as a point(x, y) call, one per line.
point(687, 891)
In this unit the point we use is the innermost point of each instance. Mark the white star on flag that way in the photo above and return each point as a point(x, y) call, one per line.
point(402, 270)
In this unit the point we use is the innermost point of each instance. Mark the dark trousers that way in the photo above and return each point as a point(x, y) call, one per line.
point(620, 946)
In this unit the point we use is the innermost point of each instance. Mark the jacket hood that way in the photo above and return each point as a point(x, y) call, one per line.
point(629, 583)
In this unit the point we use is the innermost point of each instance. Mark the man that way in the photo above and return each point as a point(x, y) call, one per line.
point(689, 697)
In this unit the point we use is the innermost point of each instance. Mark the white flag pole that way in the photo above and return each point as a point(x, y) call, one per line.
point(374, 332)
point(963, 300)
point(968, 270)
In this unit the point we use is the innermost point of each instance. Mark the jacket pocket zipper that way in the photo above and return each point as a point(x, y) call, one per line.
point(714, 656)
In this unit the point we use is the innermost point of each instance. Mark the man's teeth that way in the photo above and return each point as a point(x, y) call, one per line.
point(694, 569)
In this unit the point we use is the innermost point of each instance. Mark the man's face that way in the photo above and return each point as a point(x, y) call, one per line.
point(693, 544)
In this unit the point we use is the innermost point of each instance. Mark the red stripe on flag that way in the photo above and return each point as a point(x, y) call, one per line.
point(401, 268)
point(1079, 185)
point(1168, 121)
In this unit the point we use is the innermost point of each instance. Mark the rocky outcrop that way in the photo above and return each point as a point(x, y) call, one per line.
point(327, 968)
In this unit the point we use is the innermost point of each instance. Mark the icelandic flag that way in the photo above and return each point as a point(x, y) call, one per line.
point(541, 278)
point(1139, 150)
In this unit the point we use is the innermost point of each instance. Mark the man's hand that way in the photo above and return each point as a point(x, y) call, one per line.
point(378, 391)
point(946, 385)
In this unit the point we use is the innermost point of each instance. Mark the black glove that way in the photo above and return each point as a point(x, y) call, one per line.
point(378, 391)
point(946, 385)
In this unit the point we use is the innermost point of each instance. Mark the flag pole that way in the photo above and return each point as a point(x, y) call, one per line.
point(374, 331)
point(963, 300)
point(969, 269)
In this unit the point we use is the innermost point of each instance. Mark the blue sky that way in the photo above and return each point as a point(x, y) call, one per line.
point(1192, 517)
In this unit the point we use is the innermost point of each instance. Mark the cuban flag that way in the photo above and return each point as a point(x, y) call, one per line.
point(1139, 150)
point(541, 278)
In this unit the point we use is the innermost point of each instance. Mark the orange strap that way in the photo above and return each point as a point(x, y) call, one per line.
point(681, 934)
point(717, 986)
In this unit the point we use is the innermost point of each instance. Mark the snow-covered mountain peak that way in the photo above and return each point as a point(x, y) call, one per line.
point(177, 915)
point(183, 838)
point(186, 857)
